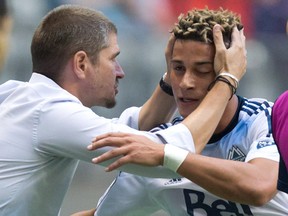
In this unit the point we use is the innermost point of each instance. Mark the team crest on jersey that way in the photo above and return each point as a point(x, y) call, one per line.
point(173, 181)
point(236, 154)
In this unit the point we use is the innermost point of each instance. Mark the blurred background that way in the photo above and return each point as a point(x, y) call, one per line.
point(143, 27)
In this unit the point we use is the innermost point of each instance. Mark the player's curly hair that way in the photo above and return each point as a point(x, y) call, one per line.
point(198, 24)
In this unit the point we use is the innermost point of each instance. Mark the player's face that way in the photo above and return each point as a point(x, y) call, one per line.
point(103, 80)
point(191, 73)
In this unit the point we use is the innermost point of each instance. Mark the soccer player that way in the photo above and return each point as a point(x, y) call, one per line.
point(236, 172)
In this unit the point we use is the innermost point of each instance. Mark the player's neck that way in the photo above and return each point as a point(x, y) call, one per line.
point(228, 115)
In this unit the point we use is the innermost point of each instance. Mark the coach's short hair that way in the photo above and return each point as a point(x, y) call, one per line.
point(64, 31)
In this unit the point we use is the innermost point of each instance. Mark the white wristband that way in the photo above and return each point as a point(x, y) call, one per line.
point(173, 157)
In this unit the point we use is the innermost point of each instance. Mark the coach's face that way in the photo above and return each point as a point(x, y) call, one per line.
point(104, 77)
point(191, 73)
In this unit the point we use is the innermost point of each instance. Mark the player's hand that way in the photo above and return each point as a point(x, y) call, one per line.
point(130, 148)
point(234, 59)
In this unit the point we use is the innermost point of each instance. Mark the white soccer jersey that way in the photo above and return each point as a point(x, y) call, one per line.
point(247, 137)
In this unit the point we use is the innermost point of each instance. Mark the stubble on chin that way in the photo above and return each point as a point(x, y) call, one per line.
point(110, 103)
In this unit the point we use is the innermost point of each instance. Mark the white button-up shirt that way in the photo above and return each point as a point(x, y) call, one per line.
point(44, 132)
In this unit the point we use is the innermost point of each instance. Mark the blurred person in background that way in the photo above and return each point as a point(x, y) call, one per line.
point(5, 30)
point(48, 120)
point(269, 22)
point(237, 170)
point(269, 17)
point(280, 133)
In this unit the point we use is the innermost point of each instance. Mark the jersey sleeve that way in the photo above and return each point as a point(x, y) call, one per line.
point(263, 148)
point(130, 192)
point(129, 117)
point(178, 135)
point(263, 145)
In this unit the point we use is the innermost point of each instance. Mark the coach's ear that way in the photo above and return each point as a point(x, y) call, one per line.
point(85, 213)
point(80, 64)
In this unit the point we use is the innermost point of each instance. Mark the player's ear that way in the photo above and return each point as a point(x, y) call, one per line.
point(80, 64)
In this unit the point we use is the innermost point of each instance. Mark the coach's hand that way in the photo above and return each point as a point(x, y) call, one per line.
point(131, 148)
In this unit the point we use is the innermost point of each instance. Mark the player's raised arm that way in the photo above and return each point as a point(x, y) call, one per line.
point(161, 106)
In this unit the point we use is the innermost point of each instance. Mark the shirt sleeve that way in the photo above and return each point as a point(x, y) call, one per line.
point(66, 129)
point(178, 135)
point(129, 117)
point(7, 88)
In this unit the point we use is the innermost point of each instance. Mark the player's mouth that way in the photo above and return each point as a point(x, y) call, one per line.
point(187, 101)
